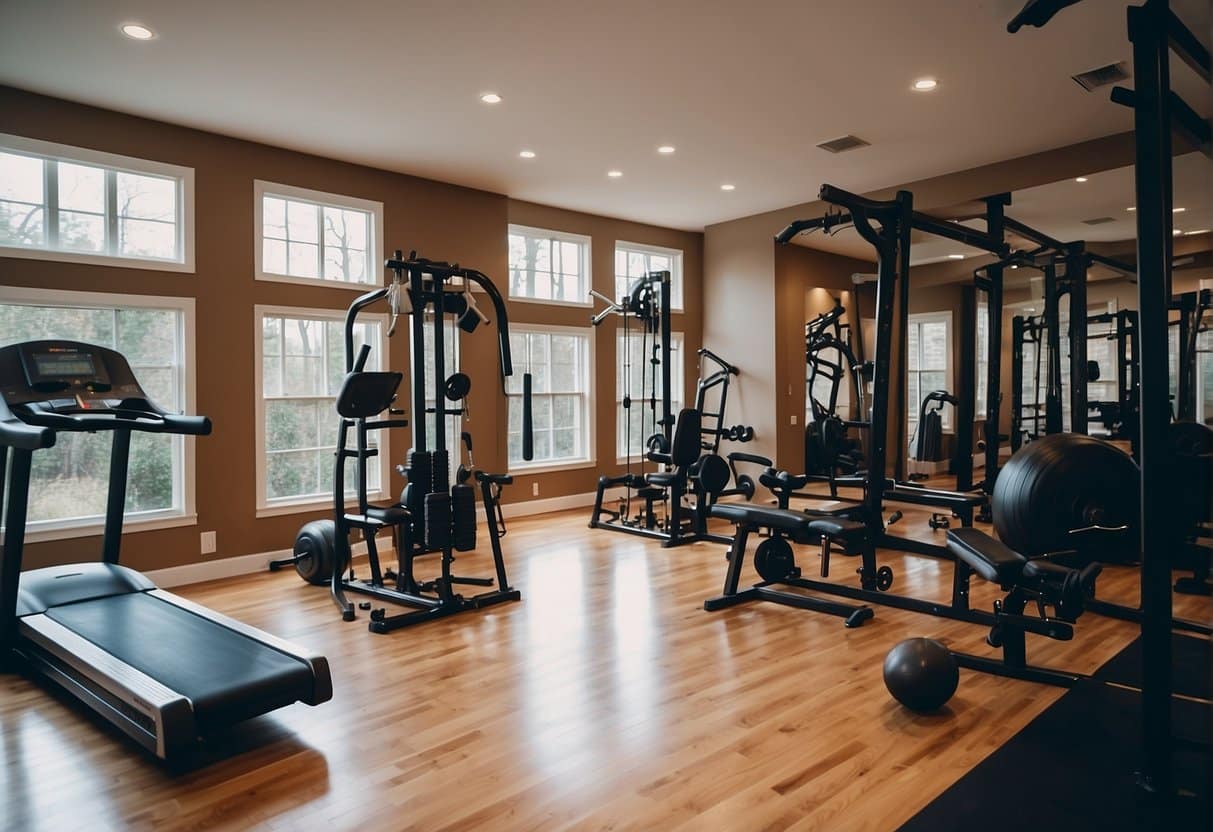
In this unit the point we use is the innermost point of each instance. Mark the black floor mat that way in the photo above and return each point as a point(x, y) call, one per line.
point(1191, 666)
point(1072, 768)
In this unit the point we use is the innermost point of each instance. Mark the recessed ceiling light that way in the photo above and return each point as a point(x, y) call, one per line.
point(925, 84)
point(1178, 210)
point(956, 257)
point(667, 149)
point(1176, 232)
point(1131, 208)
point(527, 154)
point(490, 98)
point(1080, 179)
point(614, 174)
point(728, 187)
point(1014, 266)
point(1197, 231)
point(137, 31)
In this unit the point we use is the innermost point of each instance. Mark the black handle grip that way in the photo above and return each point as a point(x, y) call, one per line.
point(363, 354)
point(528, 425)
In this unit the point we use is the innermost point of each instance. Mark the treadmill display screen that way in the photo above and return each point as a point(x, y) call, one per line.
point(65, 365)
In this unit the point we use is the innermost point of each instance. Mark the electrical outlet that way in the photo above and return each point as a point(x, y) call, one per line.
point(793, 418)
point(534, 489)
point(208, 542)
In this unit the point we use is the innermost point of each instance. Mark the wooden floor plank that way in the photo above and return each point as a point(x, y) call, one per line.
point(606, 700)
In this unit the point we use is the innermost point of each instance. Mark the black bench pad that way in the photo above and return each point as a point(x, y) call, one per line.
point(899, 493)
point(780, 519)
point(986, 556)
point(800, 526)
point(850, 532)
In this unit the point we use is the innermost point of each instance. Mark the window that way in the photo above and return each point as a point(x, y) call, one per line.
point(70, 481)
point(1204, 376)
point(309, 236)
point(983, 360)
point(559, 361)
point(300, 368)
point(69, 203)
point(633, 353)
point(633, 261)
point(930, 363)
point(451, 424)
point(549, 266)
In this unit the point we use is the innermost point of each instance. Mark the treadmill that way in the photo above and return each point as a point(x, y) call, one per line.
point(165, 670)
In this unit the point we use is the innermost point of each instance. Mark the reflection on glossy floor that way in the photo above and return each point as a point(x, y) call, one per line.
point(607, 699)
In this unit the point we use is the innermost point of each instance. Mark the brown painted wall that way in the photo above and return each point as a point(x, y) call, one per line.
point(440, 221)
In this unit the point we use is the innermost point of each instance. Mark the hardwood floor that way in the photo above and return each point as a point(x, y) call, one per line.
point(606, 699)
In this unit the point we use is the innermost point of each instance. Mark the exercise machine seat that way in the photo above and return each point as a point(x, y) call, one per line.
point(778, 481)
point(986, 556)
point(663, 479)
point(387, 515)
point(779, 519)
point(851, 533)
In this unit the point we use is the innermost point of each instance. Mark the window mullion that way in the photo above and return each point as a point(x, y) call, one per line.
point(111, 213)
point(319, 242)
point(50, 184)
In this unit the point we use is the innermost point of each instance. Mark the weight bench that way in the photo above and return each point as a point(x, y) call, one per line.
point(961, 503)
point(1050, 585)
point(775, 562)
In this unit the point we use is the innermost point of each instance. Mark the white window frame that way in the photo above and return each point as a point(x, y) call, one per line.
point(590, 460)
point(53, 151)
point(677, 287)
point(944, 317)
point(374, 258)
point(587, 260)
point(298, 505)
point(676, 338)
point(187, 514)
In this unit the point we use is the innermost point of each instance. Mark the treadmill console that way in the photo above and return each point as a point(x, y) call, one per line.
point(66, 376)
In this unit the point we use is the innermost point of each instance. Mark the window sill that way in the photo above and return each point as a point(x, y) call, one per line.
point(281, 509)
point(575, 304)
point(70, 532)
point(93, 259)
point(551, 467)
point(318, 281)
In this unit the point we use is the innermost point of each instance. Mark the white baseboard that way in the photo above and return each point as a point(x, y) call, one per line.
point(527, 508)
point(213, 570)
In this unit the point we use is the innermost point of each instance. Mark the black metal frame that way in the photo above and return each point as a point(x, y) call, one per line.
point(1158, 115)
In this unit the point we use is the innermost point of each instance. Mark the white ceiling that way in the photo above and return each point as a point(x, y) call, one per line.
point(744, 90)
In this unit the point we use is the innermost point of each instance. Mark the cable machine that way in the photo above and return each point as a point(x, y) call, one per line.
point(682, 451)
point(433, 515)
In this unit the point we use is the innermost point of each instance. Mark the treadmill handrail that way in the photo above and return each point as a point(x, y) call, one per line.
point(149, 420)
point(19, 434)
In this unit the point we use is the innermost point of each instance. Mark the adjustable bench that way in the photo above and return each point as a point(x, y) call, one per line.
point(775, 562)
point(1050, 585)
point(961, 503)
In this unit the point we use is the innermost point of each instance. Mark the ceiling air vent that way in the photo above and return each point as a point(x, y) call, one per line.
point(1099, 221)
point(844, 144)
point(1102, 76)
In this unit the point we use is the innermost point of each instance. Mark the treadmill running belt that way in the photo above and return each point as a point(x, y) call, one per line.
point(227, 676)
